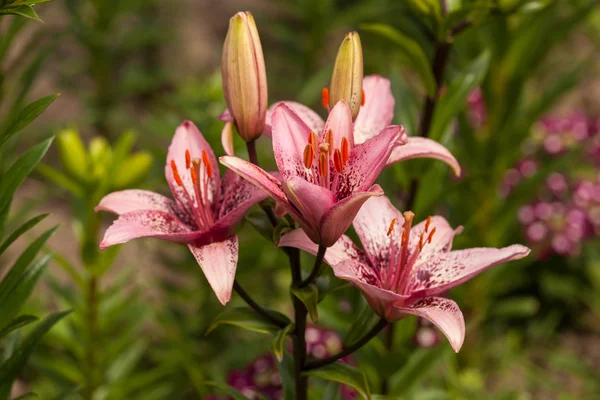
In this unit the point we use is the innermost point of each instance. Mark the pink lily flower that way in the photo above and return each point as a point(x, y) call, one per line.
point(376, 113)
point(203, 215)
point(404, 270)
point(325, 178)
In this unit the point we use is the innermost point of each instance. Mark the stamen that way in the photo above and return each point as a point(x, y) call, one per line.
point(194, 176)
point(207, 164)
point(329, 138)
point(324, 147)
point(188, 159)
point(421, 244)
point(362, 100)
point(345, 150)
point(313, 140)
point(176, 173)
point(427, 224)
point(325, 98)
point(323, 164)
point(308, 156)
point(391, 228)
point(337, 161)
point(431, 235)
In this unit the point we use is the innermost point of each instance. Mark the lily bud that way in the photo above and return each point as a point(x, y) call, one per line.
point(244, 76)
point(347, 78)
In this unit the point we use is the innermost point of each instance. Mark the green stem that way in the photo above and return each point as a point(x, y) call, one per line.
point(255, 306)
point(91, 342)
point(316, 267)
point(350, 349)
point(300, 312)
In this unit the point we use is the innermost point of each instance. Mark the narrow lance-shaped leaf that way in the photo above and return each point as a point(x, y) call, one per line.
point(17, 323)
point(343, 373)
point(247, 318)
point(23, 11)
point(309, 295)
point(20, 231)
point(279, 340)
point(26, 116)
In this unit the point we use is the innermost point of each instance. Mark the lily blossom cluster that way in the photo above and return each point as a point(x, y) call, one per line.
point(404, 269)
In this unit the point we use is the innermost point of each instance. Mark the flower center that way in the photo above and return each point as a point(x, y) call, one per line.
point(395, 276)
point(200, 172)
point(323, 163)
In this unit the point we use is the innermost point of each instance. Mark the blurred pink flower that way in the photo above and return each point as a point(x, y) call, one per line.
point(203, 215)
point(404, 269)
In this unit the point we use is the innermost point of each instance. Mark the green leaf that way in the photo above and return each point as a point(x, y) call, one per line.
point(279, 340)
point(309, 295)
point(247, 318)
point(412, 52)
point(19, 267)
point(73, 154)
point(343, 373)
point(26, 116)
point(20, 231)
point(454, 99)
point(418, 366)
point(261, 223)
point(17, 173)
point(12, 368)
point(225, 389)
point(286, 371)
point(61, 180)
point(23, 11)
point(17, 294)
point(17, 323)
point(361, 326)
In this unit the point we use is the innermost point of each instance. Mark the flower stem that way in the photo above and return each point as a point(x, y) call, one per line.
point(251, 146)
point(350, 349)
point(300, 312)
point(316, 267)
point(255, 306)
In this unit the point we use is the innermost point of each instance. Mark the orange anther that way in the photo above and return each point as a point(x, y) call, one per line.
point(325, 98)
point(337, 160)
point(431, 235)
point(323, 164)
point(188, 159)
point(313, 140)
point(308, 156)
point(345, 150)
point(421, 244)
point(427, 223)
point(391, 228)
point(176, 173)
point(329, 138)
point(194, 176)
point(362, 100)
point(207, 164)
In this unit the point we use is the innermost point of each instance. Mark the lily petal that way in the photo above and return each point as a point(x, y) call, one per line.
point(238, 196)
point(226, 116)
point(155, 224)
point(188, 137)
point(340, 124)
point(227, 139)
point(290, 137)
point(255, 175)
point(441, 240)
point(372, 224)
point(443, 313)
point(218, 262)
point(366, 161)
point(448, 270)
point(310, 117)
point(418, 147)
point(378, 110)
point(344, 249)
point(312, 201)
point(367, 281)
point(337, 220)
point(135, 200)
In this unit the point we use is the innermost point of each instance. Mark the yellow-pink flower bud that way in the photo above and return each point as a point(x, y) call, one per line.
point(347, 78)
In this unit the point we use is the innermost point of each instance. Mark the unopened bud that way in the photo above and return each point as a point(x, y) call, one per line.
point(244, 76)
point(347, 78)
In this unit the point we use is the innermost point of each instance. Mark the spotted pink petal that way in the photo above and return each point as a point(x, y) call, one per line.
point(443, 313)
point(255, 175)
point(340, 124)
point(238, 196)
point(344, 249)
point(310, 118)
point(337, 220)
point(441, 240)
point(378, 110)
point(218, 262)
point(366, 161)
point(188, 137)
point(418, 147)
point(290, 137)
point(135, 200)
point(155, 224)
point(448, 270)
point(312, 201)
point(367, 281)
point(372, 224)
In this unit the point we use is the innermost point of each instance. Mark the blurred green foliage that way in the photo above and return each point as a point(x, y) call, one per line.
point(148, 340)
